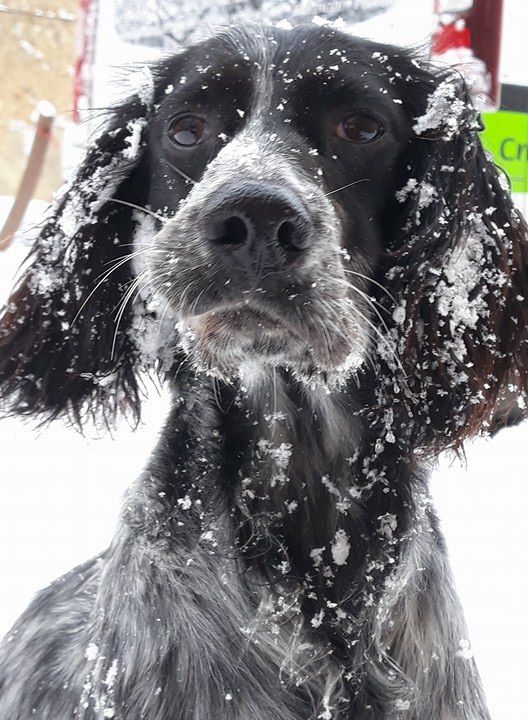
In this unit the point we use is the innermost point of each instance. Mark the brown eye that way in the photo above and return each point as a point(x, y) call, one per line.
point(188, 130)
point(360, 129)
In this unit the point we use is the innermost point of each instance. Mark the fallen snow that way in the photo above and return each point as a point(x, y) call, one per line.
point(340, 548)
point(444, 111)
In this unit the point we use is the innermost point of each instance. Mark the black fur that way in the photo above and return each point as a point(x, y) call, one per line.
point(279, 558)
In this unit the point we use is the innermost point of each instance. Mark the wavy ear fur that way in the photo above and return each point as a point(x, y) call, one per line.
point(60, 351)
point(459, 269)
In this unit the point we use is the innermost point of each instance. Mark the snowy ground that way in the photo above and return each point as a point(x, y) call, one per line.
point(60, 495)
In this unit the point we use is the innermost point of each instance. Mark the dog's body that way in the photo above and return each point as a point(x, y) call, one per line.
point(279, 558)
point(172, 616)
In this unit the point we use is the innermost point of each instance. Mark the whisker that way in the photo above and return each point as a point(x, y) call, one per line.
point(180, 172)
point(127, 296)
point(374, 282)
point(344, 187)
point(151, 248)
point(370, 300)
point(379, 334)
point(139, 207)
point(104, 275)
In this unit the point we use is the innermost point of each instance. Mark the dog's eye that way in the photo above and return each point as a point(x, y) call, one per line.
point(359, 129)
point(188, 130)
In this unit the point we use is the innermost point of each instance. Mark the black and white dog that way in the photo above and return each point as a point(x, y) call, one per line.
point(302, 233)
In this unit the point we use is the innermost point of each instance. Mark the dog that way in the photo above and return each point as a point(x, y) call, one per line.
point(300, 231)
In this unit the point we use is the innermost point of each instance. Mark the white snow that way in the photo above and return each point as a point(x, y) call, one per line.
point(91, 652)
point(463, 274)
point(317, 556)
point(134, 139)
point(142, 82)
point(340, 548)
point(444, 111)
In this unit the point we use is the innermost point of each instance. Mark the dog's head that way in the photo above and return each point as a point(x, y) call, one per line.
point(298, 199)
point(273, 164)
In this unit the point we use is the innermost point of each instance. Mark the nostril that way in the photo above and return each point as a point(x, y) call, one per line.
point(236, 230)
point(289, 237)
point(231, 231)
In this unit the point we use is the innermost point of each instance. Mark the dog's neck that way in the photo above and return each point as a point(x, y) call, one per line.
point(288, 479)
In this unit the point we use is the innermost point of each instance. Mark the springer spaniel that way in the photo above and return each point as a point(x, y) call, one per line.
point(300, 231)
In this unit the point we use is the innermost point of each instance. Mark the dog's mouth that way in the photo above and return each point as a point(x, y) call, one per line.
point(223, 340)
point(238, 331)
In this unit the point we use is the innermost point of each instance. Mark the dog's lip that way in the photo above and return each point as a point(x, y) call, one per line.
point(252, 306)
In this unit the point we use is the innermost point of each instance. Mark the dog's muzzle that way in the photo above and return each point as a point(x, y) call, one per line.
point(252, 265)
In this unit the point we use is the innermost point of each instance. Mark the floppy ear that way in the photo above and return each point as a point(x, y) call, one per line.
point(60, 350)
point(459, 269)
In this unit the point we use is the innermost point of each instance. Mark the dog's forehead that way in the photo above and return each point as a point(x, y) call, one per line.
point(304, 45)
point(287, 62)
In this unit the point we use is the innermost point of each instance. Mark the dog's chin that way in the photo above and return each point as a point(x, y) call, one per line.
point(226, 342)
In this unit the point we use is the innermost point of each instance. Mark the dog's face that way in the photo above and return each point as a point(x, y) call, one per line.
point(321, 204)
point(274, 156)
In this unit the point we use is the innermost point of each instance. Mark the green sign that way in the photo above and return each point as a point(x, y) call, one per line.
point(506, 138)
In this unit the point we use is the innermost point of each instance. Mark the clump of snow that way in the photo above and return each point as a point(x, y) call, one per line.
point(91, 652)
point(399, 312)
point(317, 619)
point(425, 192)
point(465, 650)
point(445, 111)
point(467, 278)
point(142, 83)
point(280, 456)
point(111, 675)
point(133, 140)
point(340, 548)
point(427, 195)
point(336, 24)
point(284, 25)
point(403, 704)
point(185, 503)
point(317, 556)
point(409, 187)
point(387, 525)
point(462, 275)
point(342, 503)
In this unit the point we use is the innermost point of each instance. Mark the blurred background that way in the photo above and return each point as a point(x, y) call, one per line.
point(70, 53)
point(59, 492)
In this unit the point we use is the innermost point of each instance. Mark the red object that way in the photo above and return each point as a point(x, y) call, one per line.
point(485, 26)
point(451, 36)
point(478, 28)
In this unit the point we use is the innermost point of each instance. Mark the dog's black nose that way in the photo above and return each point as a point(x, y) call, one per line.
point(261, 219)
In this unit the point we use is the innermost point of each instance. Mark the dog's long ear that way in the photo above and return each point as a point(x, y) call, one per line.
point(60, 350)
point(459, 268)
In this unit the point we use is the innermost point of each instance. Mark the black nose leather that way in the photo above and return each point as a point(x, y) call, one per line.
point(260, 220)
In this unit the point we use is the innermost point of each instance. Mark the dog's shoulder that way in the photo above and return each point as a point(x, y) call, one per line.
point(43, 654)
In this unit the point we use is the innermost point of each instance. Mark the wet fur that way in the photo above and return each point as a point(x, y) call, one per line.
point(210, 602)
